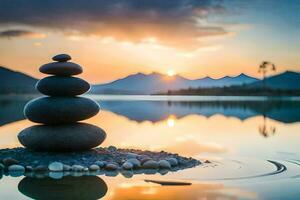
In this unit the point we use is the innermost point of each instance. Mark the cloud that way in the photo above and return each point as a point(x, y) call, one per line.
point(20, 33)
point(177, 23)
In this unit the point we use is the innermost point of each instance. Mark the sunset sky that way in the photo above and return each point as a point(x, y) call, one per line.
point(112, 39)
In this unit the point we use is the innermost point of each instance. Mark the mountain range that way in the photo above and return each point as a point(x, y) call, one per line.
point(155, 83)
point(17, 82)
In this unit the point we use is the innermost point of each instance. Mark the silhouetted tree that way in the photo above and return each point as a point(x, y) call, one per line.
point(264, 68)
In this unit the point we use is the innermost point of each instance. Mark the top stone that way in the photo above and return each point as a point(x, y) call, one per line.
point(62, 58)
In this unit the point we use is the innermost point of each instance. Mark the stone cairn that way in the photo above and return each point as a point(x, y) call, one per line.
point(59, 112)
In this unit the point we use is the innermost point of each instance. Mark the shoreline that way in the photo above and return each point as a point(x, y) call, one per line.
point(108, 161)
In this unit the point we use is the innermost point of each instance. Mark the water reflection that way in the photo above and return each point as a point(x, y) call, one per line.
point(155, 111)
point(94, 187)
point(84, 187)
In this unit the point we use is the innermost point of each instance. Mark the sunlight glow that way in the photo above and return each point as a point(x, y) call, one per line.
point(171, 121)
point(171, 72)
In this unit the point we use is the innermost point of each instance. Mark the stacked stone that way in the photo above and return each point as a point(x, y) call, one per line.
point(59, 111)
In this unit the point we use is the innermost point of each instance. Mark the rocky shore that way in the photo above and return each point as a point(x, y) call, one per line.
point(109, 161)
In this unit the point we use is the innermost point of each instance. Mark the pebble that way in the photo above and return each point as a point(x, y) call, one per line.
point(127, 165)
point(29, 168)
point(56, 167)
point(61, 58)
point(94, 167)
point(127, 173)
point(145, 159)
point(150, 164)
point(112, 148)
point(131, 155)
point(164, 164)
point(172, 161)
point(61, 68)
point(135, 162)
point(85, 169)
point(16, 168)
point(41, 168)
point(77, 168)
point(67, 168)
point(163, 171)
point(101, 163)
point(10, 161)
point(111, 166)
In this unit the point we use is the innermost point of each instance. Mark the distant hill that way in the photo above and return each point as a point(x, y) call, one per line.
point(284, 84)
point(287, 80)
point(155, 83)
point(13, 82)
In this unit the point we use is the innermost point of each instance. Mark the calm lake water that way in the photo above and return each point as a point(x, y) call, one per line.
point(253, 143)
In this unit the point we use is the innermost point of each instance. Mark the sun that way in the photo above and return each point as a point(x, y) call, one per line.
point(171, 121)
point(171, 72)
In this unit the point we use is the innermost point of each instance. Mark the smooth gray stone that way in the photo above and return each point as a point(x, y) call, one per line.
point(60, 110)
point(62, 138)
point(61, 58)
point(61, 68)
point(62, 86)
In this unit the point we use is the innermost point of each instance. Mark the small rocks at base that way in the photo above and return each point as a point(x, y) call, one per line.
point(111, 166)
point(136, 163)
point(56, 167)
point(10, 161)
point(144, 159)
point(150, 164)
point(94, 167)
point(173, 161)
point(16, 168)
point(29, 168)
point(67, 168)
point(77, 168)
point(127, 165)
point(112, 148)
point(41, 168)
point(127, 173)
point(131, 155)
point(101, 163)
point(164, 164)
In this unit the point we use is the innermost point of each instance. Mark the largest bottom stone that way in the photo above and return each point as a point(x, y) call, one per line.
point(71, 137)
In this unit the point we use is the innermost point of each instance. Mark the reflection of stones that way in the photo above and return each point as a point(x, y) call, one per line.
point(61, 111)
point(85, 187)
